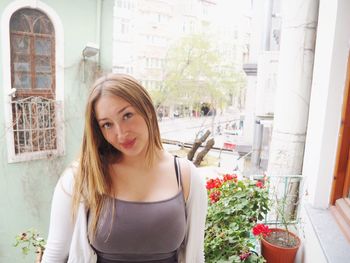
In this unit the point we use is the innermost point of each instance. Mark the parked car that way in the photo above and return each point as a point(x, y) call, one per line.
point(230, 142)
point(232, 128)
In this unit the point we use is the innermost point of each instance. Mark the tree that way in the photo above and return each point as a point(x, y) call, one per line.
point(195, 72)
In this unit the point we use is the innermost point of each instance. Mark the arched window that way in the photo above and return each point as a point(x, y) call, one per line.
point(32, 53)
point(32, 38)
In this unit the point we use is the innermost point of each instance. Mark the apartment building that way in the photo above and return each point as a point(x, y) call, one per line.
point(145, 29)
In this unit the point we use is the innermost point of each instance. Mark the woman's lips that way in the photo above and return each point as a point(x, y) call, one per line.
point(128, 144)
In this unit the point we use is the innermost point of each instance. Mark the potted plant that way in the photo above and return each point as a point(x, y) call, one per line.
point(234, 208)
point(31, 239)
point(278, 245)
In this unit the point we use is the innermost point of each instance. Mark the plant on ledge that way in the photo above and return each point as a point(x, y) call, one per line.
point(234, 208)
point(31, 239)
point(278, 245)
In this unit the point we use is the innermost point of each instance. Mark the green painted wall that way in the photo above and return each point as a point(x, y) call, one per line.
point(26, 188)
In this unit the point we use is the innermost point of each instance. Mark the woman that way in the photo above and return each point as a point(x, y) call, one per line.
point(127, 200)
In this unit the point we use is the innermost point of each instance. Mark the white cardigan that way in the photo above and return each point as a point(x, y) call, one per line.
point(68, 242)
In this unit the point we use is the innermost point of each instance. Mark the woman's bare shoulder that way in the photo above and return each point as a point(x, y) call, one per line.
point(185, 168)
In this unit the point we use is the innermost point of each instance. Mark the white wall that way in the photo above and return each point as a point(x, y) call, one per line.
point(329, 78)
point(249, 117)
point(310, 250)
point(266, 82)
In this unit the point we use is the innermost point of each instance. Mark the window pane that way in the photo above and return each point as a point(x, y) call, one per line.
point(21, 63)
point(43, 81)
point(22, 80)
point(43, 26)
point(20, 44)
point(31, 20)
point(19, 23)
point(43, 64)
point(43, 46)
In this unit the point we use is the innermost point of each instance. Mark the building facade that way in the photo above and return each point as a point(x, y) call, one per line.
point(50, 53)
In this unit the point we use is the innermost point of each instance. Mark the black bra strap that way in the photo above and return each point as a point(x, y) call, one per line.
point(177, 171)
point(178, 178)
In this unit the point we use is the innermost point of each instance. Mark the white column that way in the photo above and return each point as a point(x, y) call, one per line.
point(249, 112)
point(299, 22)
point(330, 72)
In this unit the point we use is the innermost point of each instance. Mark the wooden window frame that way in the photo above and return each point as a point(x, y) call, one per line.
point(341, 179)
point(32, 36)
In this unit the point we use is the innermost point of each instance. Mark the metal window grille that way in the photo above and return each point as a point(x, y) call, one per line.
point(34, 126)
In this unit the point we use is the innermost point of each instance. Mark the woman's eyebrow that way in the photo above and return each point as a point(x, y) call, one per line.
point(120, 111)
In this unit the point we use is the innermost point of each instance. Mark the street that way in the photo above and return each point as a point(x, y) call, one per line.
point(185, 129)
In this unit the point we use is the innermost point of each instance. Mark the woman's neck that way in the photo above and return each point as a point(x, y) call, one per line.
point(141, 162)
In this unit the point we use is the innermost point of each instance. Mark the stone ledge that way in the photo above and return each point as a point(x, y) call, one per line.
point(335, 246)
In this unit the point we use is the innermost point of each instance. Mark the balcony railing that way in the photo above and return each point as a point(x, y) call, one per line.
point(34, 124)
point(285, 193)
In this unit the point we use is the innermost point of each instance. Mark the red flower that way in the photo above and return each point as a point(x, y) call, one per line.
point(244, 256)
point(261, 230)
point(215, 196)
point(229, 177)
point(260, 184)
point(214, 183)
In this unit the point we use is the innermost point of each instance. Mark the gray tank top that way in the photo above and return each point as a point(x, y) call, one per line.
point(141, 231)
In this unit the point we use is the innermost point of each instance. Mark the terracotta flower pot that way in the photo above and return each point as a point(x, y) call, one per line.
point(277, 254)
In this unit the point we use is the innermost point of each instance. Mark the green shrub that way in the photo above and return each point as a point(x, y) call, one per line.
point(234, 208)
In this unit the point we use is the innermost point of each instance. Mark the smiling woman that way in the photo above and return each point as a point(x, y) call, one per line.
point(140, 204)
point(122, 126)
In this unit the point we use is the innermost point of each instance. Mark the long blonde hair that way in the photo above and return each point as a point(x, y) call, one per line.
point(92, 181)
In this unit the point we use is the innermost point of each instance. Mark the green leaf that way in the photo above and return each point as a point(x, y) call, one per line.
point(25, 250)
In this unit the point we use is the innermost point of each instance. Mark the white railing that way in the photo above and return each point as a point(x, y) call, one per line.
point(285, 194)
point(34, 124)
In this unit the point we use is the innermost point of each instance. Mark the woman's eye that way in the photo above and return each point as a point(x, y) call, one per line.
point(106, 125)
point(127, 115)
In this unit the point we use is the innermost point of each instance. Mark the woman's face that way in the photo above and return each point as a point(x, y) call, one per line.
point(122, 126)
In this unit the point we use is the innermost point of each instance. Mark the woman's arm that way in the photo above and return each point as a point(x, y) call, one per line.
point(61, 223)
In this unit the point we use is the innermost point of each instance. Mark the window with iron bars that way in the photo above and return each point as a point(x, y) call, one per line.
point(35, 125)
point(34, 110)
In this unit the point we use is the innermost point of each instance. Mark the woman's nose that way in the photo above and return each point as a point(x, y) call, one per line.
point(120, 131)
